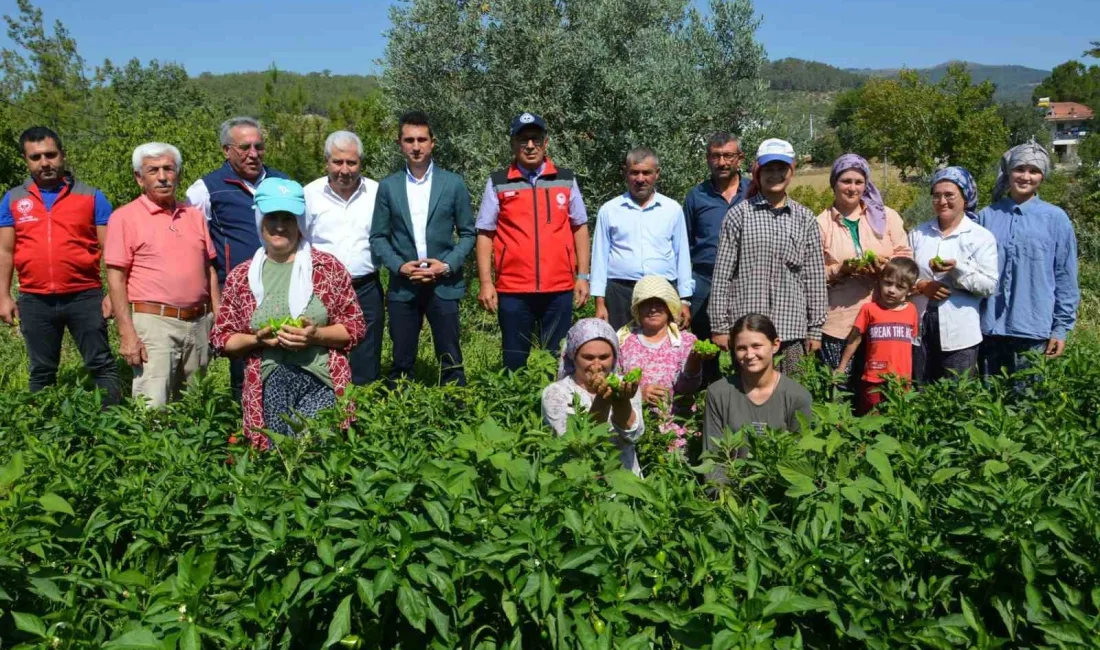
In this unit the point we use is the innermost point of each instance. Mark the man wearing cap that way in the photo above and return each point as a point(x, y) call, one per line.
point(52, 228)
point(533, 231)
point(423, 230)
point(705, 208)
point(339, 210)
point(770, 261)
point(225, 197)
point(162, 280)
point(639, 233)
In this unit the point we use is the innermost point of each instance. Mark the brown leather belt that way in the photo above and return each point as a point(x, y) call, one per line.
point(168, 311)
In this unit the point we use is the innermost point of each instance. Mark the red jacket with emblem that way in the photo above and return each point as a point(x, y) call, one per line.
point(56, 250)
point(533, 250)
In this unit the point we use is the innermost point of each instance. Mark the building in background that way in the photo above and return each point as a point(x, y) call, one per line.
point(1068, 123)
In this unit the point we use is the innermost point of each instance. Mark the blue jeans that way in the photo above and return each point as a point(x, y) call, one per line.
point(406, 319)
point(43, 320)
point(518, 313)
point(366, 357)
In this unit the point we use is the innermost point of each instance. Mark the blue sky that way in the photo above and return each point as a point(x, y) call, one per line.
point(348, 37)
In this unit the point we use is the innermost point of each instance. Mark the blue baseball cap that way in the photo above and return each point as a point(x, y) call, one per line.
point(280, 195)
point(524, 120)
point(774, 149)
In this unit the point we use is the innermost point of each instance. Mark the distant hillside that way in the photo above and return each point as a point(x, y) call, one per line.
point(243, 90)
point(811, 76)
point(1014, 82)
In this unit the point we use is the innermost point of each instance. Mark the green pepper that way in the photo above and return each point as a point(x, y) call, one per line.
point(705, 347)
point(353, 641)
point(633, 376)
point(869, 257)
point(936, 261)
point(598, 624)
point(614, 381)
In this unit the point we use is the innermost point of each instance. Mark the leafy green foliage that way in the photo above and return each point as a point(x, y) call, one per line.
point(920, 125)
point(475, 65)
point(1071, 81)
point(963, 516)
point(798, 74)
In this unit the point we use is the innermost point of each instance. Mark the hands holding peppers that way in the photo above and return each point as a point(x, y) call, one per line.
point(292, 334)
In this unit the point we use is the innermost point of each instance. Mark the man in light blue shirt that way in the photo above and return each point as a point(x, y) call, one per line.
point(641, 232)
point(1035, 304)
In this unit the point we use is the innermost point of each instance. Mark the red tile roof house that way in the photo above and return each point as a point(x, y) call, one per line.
point(1069, 124)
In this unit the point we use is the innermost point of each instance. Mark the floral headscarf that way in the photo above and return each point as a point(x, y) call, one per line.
point(1028, 153)
point(872, 199)
point(962, 178)
point(583, 331)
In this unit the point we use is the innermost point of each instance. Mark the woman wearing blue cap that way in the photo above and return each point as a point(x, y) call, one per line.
point(292, 314)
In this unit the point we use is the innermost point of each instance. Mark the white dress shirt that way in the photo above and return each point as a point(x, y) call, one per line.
point(419, 194)
point(974, 277)
point(341, 227)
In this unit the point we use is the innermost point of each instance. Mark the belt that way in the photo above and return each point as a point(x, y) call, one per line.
point(363, 279)
point(168, 311)
point(623, 283)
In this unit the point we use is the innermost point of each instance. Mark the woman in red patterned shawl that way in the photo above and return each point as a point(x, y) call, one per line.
point(292, 314)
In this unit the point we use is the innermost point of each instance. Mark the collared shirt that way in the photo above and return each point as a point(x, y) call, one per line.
point(974, 277)
point(341, 227)
point(419, 193)
point(633, 241)
point(198, 195)
point(490, 205)
point(1037, 293)
point(166, 253)
point(704, 210)
point(770, 262)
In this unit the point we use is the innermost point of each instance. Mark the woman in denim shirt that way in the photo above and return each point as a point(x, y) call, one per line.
point(1035, 304)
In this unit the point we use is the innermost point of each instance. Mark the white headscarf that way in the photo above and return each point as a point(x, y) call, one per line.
point(301, 277)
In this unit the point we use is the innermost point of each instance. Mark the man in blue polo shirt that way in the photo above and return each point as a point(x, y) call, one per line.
point(705, 207)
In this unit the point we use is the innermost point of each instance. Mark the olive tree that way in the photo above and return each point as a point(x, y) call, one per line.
point(606, 74)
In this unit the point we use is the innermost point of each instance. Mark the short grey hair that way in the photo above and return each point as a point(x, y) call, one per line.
point(342, 139)
point(232, 123)
point(156, 150)
point(721, 139)
point(638, 154)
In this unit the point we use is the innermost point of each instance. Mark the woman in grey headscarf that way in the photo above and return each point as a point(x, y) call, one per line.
point(591, 354)
point(1035, 304)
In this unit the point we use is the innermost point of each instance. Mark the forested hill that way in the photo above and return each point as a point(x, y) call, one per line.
point(243, 90)
point(1014, 82)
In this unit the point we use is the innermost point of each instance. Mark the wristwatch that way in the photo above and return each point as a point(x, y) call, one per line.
point(583, 276)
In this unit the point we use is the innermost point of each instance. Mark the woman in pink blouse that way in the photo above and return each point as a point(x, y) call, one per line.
point(655, 344)
point(856, 224)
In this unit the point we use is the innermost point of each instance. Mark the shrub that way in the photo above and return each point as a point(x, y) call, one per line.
point(963, 516)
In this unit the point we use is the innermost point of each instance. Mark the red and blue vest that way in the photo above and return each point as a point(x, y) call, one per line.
point(533, 250)
point(56, 250)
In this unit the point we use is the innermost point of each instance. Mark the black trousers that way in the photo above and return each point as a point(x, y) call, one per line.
point(406, 319)
point(43, 320)
point(366, 358)
point(618, 296)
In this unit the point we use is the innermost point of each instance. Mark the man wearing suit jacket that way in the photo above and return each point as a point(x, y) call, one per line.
point(416, 215)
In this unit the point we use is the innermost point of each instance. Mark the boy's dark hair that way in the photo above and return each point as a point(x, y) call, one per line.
point(415, 118)
point(754, 323)
point(902, 268)
point(38, 134)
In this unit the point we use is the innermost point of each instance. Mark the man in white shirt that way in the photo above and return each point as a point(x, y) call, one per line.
point(423, 230)
point(339, 211)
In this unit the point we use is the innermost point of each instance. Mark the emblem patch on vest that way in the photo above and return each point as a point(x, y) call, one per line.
point(561, 199)
point(24, 206)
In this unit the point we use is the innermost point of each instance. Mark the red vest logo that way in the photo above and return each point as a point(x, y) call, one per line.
point(24, 206)
point(561, 199)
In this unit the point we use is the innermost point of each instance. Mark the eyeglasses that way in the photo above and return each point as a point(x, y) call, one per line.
point(245, 148)
point(949, 197)
point(535, 140)
point(724, 156)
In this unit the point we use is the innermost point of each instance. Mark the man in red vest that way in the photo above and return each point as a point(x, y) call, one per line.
point(52, 230)
point(533, 231)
